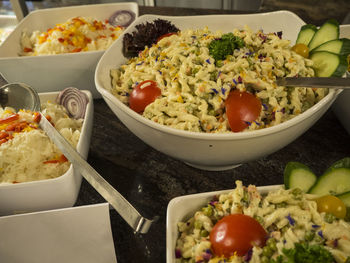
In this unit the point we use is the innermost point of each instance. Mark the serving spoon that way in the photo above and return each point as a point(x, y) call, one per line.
point(21, 96)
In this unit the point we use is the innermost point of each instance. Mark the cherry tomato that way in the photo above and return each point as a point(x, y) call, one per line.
point(301, 49)
point(143, 94)
point(241, 107)
point(236, 233)
point(165, 35)
point(331, 204)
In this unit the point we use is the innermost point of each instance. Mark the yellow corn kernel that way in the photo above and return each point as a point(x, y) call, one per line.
point(179, 99)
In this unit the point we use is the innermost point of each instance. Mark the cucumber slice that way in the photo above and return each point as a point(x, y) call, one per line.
point(334, 181)
point(298, 175)
point(345, 197)
point(337, 46)
point(305, 34)
point(328, 31)
point(342, 163)
point(327, 64)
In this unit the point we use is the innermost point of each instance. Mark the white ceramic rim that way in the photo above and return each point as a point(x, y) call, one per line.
point(201, 135)
point(70, 169)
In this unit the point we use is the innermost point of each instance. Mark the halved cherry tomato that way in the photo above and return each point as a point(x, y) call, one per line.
point(165, 35)
point(236, 233)
point(241, 107)
point(331, 204)
point(143, 94)
point(301, 49)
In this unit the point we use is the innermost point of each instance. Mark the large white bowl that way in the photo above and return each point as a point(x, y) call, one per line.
point(202, 150)
point(55, 72)
point(60, 192)
point(182, 208)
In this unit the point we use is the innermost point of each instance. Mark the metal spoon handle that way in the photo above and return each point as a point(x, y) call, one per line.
point(119, 203)
point(331, 82)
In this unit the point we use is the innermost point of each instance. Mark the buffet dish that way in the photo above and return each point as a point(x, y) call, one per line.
point(208, 145)
point(34, 175)
point(276, 224)
point(52, 72)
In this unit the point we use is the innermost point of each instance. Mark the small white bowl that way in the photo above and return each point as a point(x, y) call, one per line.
point(60, 192)
point(182, 208)
point(203, 150)
point(55, 72)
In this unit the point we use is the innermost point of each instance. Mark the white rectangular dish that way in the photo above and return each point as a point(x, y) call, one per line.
point(341, 106)
point(55, 72)
point(183, 207)
point(60, 192)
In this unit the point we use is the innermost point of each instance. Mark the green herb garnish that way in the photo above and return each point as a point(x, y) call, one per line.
point(219, 49)
point(304, 253)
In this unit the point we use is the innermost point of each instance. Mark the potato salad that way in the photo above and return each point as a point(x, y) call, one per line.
point(280, 226)
point(190, 85)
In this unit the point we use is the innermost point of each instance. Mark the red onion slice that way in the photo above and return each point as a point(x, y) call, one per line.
point(122, 18)
point(74, 101)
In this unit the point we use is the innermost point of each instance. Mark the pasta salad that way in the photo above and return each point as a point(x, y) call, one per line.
point(293, 230)
point(195, 85)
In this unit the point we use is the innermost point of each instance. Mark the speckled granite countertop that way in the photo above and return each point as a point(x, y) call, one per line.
point(150, 179)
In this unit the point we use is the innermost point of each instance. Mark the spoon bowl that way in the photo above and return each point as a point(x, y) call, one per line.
point(19, 96)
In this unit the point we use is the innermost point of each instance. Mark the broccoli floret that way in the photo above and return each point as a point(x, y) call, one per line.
point(219, 49)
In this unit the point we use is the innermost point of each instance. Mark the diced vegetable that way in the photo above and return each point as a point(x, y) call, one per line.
point(334, 181)
point(337, 46)
point(327, 64)
point(306, 33)
point(328, 31)
point(298, 175)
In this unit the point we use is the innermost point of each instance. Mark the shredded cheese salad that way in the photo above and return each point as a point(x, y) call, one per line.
point(26, 153)
point(76, 35)
point(290, 217)
point(194, 86)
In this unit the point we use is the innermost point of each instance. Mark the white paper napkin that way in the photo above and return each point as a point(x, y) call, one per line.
point(79, 234)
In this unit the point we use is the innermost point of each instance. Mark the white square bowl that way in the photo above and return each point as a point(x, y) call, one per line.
point(182, 208)
point(341, 106)
point(60, 192)
point(55, 72)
